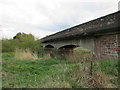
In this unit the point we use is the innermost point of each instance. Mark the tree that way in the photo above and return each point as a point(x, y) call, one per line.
point(22, 41)
point(23, 37)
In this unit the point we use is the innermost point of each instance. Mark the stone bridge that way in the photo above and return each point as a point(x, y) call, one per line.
point(101, 36)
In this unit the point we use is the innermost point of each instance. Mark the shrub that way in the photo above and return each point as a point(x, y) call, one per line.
point(9, 45)
point(22, 41)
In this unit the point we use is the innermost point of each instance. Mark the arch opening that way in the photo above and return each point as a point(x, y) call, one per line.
point(49, 49)
point(49, 46)
point(66, 50)
point(75, 53)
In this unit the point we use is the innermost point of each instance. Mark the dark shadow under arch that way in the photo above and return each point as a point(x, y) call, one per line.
point(68, 47)
point(66, 50)
point(49, 49)
point(49, 46)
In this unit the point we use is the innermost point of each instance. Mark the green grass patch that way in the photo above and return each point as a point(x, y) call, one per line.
point(107, 66)
point(33, 73)
point(52, 73)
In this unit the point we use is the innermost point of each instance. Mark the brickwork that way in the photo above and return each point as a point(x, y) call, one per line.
point(107, 46)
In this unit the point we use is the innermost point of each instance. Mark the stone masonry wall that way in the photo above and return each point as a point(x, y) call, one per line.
point(106, 47)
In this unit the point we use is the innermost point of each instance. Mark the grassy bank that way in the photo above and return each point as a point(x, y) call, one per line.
point(44, 73)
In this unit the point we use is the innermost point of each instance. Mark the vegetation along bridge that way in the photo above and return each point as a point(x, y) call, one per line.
point(101, 36)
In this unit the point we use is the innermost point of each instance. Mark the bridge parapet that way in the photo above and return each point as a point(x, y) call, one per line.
point(102, 24)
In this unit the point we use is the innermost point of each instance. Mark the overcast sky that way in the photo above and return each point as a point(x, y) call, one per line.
point(45, 17)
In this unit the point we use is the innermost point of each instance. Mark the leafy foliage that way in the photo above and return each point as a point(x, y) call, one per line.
point(22, 41)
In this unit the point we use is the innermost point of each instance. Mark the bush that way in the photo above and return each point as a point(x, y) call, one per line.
point(9, 45)
point(22, 41)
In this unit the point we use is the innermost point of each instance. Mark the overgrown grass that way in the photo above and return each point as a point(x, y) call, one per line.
point(80, 54)
point(49, 73)
point(107, 66)
point(25, 54)
point(27, 73)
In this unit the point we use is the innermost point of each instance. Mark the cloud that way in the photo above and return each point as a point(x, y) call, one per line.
point(44, 17)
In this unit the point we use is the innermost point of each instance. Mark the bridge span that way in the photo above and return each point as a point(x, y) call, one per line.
point(101, 36)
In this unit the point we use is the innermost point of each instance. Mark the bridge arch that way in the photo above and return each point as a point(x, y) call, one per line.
point(49, 46)
point(49, 49)
point(66, 50)
point(75, 52)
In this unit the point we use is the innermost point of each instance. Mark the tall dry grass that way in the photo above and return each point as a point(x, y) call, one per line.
point(82, 74)
point(98, 80)
point(47, 56)
point(80, 55)
point(23, 54)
